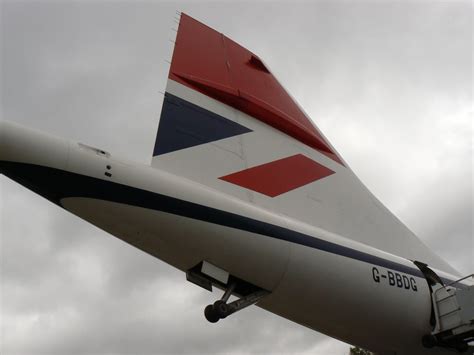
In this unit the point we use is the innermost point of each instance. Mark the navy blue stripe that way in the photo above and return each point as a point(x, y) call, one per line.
point(184, 125)
point(57, 184)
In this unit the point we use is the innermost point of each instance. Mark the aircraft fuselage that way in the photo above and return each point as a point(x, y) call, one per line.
point(318, 279)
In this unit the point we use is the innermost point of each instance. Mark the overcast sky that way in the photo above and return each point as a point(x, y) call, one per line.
point(389, 84)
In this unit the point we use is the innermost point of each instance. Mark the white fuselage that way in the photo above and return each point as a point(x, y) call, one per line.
point(326, 282)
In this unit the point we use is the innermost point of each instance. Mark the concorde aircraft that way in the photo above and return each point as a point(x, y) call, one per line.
point(246, 195)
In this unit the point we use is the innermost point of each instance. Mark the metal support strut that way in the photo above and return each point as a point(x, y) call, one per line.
point(221, 309)
point(453, 307)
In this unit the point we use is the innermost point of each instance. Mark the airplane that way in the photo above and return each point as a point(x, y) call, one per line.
point(245, 194)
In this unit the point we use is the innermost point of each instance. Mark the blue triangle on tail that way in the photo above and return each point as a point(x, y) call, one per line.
point(184, 125)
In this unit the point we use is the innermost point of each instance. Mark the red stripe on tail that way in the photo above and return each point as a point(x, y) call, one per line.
point(279, 176)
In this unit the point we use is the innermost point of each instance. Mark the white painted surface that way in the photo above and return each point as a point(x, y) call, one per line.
point(339, 203)
point(332, 294)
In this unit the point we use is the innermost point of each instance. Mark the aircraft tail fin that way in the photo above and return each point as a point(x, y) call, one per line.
point(228, 123)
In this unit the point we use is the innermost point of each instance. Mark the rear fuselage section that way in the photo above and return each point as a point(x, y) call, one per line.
point(326, 282)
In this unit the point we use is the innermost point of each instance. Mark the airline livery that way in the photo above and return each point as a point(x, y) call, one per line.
point(246, 195)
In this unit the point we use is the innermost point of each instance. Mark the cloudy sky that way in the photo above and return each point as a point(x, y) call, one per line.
point(390, 85)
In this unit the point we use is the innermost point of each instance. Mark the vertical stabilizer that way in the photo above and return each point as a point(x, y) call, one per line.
point(229, 124)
